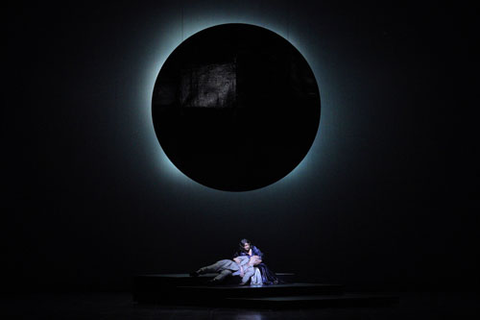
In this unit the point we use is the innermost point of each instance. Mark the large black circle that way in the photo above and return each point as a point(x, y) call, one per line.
point(236, 107)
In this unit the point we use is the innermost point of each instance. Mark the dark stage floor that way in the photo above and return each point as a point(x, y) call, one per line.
point(121, 306)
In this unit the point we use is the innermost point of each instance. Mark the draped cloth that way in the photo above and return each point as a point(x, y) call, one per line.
point(256, 279)
point(267, 276)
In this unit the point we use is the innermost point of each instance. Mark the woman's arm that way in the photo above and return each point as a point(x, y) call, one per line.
point(257, 252)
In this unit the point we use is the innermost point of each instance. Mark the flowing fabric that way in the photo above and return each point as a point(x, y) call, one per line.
point(256, 279)
point(268, 276)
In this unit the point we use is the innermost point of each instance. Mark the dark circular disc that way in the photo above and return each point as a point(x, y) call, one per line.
point(236, 107)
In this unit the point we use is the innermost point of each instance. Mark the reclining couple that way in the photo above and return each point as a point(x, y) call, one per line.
point(247, 263)
point(242, 266)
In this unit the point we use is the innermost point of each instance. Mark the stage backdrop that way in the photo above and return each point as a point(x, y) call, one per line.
point(384, 197)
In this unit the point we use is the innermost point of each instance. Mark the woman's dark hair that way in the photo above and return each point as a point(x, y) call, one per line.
point(243, 242)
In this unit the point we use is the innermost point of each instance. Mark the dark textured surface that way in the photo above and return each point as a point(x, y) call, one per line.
point(180, 289)
point(120, 306)
point(175, 288)
point(208, 86)
point(236, 107)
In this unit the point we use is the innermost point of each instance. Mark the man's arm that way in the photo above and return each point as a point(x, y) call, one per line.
point(242, 262)
point(249, 272)
point(254, 261)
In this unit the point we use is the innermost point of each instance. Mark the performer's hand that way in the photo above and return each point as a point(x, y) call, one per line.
point(254, 260)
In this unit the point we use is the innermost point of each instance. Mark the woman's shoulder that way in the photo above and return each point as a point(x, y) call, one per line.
point(256, 251)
